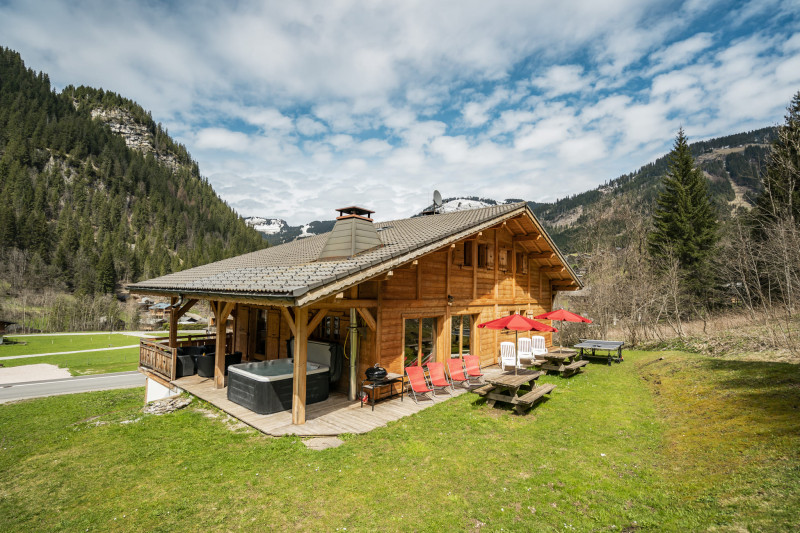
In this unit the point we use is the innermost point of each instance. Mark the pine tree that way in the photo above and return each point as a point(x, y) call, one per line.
point(106, 273)
point(780, 197)
point(685, 224)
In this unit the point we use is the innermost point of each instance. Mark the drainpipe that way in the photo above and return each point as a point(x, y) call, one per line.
point(353, 355)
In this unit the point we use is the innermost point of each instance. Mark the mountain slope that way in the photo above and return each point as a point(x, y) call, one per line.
point(732, 165)
point(94, 192)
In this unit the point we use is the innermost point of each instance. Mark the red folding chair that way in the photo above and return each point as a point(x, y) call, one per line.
point(438, 379)
point(418, 383)
point(456, 370)
point(473, 364)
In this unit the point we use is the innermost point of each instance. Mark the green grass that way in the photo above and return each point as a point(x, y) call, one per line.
point(80, 364)
point(62, 343)
point(683, 444)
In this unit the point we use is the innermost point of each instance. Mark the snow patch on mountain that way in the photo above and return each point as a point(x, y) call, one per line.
point(304, 232)
point(270, 226)
point(461, 204)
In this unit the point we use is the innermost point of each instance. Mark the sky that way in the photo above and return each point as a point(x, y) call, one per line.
point(293, 109)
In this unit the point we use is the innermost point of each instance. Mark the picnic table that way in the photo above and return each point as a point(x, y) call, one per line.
point(607, 346)
point(504, 388)
point(561, 361)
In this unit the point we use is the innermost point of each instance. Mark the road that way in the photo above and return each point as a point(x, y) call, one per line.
point(53, 387)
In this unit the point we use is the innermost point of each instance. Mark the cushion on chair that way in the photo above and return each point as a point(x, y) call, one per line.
point(205, 366)
point(185, 366)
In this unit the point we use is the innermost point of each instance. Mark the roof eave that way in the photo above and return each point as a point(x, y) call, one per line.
point(555, 248)
point(283, 300)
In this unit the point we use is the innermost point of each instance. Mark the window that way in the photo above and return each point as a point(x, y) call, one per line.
point(460, 337)
point(485, 256)
point(503, 259)
point(261, 332)
point(419, 343)
point(468, 253)
point(522, 263)
point(328, 329)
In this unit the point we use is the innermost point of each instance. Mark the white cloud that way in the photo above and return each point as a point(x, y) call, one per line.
point(222, 139)
point(681, 52)
point(562, 79)
point(309, 127)
point(293, 108)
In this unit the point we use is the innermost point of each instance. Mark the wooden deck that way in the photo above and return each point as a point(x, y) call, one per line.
point(334, 416)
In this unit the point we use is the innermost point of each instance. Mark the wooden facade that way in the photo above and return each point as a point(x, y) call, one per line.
point(423, 309)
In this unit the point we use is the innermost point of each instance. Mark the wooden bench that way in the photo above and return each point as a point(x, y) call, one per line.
point(527, 400)
point(574, 368)
point(483, 391)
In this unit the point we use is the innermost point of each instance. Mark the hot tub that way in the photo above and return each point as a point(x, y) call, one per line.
point(266, 387)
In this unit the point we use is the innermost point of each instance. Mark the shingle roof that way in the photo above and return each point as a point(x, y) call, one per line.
point(290, 270)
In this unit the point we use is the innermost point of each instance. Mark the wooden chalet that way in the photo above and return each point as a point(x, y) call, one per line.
point(406, 291)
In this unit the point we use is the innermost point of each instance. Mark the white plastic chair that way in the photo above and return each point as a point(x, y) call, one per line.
point(524, 349)
point(538, 347)
point(508, 355)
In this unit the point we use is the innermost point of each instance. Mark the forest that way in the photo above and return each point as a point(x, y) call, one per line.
point(684, 266)
point(82, 213)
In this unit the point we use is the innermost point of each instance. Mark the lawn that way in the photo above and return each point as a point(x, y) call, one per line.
point(77, 363)
point(680, 444)
point(62, 343)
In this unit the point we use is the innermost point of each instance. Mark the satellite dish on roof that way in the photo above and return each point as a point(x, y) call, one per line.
point(437, 201)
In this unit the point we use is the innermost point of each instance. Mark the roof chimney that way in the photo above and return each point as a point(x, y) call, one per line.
point(352, 234)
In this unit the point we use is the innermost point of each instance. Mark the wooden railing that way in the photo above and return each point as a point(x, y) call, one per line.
point(157, 357)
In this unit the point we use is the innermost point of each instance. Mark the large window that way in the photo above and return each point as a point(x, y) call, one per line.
point(460, 335)
point(420, 336)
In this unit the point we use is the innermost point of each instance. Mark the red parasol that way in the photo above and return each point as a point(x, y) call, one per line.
point(563, 315)
point(516, 323)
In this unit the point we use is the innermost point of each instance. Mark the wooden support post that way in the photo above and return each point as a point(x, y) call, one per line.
point(316, 320)
point(300, 358)
point(289, 320)
point(221, 312)
point(368, 318)
point(445, 339)
point(378, 328)
point(173, 323)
